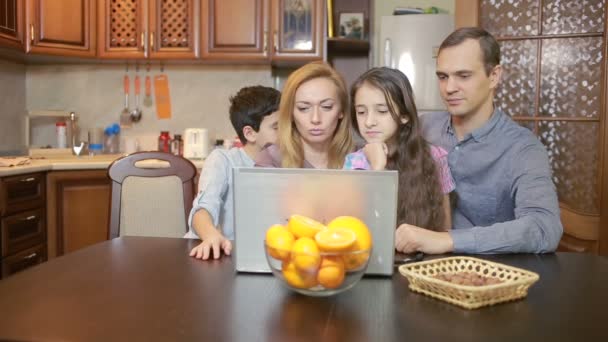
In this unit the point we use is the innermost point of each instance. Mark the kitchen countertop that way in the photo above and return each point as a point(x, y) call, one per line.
point(70, 162)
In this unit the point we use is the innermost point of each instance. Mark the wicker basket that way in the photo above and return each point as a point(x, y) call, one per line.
point(514, 281)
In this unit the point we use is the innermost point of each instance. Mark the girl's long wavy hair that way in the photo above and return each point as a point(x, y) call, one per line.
point(419, 193)
point(290, 140)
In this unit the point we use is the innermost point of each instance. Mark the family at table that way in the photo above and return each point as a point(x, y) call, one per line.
point(471, 180)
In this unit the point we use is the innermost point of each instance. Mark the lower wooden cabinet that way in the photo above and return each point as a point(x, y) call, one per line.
point(78, 209)
point(22, 222)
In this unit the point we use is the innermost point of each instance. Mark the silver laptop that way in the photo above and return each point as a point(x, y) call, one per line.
point(265, 196)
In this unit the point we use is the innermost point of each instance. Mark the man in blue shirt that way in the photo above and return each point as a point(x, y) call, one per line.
point(505, 200)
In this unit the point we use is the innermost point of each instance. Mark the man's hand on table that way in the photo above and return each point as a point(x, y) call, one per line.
point(411, 239)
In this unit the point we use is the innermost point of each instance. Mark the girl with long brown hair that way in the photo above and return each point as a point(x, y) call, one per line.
point(314, 127)
point(386, 116)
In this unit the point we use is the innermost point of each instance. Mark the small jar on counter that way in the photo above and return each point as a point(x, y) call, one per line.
point(177, 145)
point(62, 134)
point(164, 142)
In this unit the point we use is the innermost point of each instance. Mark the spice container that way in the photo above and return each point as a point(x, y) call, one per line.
point(177, 145)
point(164, 142)
point(62, 134)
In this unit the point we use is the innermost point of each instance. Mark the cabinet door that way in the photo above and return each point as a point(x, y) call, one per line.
point(64, 27)
point(173, 29)
point(121, 29)
point(23, 260)
point(297, 30)
point(235, 29)
point(11, 23)
point(78, 210)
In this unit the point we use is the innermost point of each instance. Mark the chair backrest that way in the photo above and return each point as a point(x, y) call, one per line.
point(151, 198)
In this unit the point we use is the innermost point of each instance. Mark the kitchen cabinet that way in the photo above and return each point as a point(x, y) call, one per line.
point(65, 28)
point(11, 23)
point(22, 222)
point(157, 29)
point(78, 208)
point(262, 30)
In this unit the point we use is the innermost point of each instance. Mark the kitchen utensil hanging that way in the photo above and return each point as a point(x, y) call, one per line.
point(125, 114)
point(161, 92)
point(137, 112)
point(148, 85)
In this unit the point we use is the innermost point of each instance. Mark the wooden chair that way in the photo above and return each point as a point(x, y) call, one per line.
point(149, 199)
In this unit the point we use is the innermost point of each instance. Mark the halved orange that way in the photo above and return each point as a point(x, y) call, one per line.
point(362, 243)
point(335, 239)
point(302, 226)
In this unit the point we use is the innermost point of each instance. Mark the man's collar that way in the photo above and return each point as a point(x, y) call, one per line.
point(480, 133)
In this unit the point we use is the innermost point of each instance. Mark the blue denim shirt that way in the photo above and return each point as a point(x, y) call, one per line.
point(215, 189)
point(505, 197)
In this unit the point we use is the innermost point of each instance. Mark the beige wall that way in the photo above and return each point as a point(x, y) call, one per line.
point(385, 7)
point(199, 94)
point(12, 105)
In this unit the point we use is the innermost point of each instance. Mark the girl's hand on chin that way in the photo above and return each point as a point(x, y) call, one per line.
point(376, 153)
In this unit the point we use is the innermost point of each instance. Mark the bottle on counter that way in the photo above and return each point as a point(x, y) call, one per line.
point(62, 134)
point(164, 142)
point(177, 145)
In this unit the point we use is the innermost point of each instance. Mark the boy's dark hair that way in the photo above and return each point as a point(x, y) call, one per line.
point(250, 105)
point(490, 49)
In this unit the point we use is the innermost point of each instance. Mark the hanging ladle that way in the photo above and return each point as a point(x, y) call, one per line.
point(137, 112)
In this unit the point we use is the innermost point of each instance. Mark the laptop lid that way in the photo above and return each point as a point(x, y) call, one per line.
point(267, 196)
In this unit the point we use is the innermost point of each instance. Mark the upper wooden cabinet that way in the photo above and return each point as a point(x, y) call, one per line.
point(235, 29)
point(65, 27)
point(148, 29)
point(297, 29)
point(11, 23)
point(262, 30)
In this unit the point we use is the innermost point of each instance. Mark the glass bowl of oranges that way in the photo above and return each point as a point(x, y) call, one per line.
point(316, 259)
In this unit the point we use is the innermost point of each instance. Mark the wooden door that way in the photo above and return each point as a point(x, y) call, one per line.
point(235, 29)
point(65, 28)
point(122, 29)
point(297, 30)
point(173, 29)
point(554, 83)
point(78, 210)
point(11, 23)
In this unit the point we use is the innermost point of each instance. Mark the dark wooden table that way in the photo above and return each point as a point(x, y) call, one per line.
point(147, 289)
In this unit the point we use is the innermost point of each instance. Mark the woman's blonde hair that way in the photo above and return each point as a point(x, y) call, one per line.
point(290, 140)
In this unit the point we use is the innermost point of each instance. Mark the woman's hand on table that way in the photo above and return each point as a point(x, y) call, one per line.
point(215, 244)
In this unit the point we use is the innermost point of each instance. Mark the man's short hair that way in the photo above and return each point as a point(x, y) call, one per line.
point(249, 107)
point(489, 46)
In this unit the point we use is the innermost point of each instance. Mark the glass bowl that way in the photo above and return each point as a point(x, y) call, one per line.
point(319, 275)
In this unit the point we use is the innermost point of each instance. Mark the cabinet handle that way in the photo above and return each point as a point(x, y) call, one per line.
point(276, 41)
point(31, 256)
point(27, 180)
point(32, 33)
point(29, 218)
point(265, 42)
point(143, 41)
point(152, 40)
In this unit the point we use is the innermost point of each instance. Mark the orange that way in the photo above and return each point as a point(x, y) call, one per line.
point(335, 239)
point(305, 254)
point(331, 272)
point(296, 278)
point(279, 241)
point(363, 241)
point(302, 226)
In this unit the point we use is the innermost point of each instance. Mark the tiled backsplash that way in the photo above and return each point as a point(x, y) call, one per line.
point(199, 94)
point(12, 105)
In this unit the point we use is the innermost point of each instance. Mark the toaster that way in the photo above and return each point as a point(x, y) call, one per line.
point(196, 143)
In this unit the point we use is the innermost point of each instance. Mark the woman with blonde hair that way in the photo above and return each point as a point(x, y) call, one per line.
point(314, 128)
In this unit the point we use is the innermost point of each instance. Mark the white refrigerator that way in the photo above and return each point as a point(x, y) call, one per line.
point(410, 43)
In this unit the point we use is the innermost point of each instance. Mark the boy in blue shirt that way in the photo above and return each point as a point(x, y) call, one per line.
point(254, 116)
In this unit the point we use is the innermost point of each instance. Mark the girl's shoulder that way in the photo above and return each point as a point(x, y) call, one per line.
point(356, 161)
point(437, 152)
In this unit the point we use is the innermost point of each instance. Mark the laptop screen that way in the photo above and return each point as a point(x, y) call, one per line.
point(267, 196)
